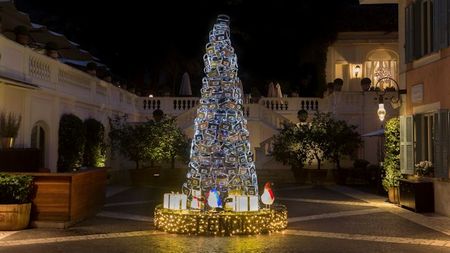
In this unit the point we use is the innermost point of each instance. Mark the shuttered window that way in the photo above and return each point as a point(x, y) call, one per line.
point(406, 145)
point(409, 36)
point(441, 143)
point(440, 24)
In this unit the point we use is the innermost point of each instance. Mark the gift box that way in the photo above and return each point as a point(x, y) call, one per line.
point(242, 203)
point(175, 201)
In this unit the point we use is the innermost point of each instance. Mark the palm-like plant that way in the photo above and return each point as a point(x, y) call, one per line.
point(9, 124)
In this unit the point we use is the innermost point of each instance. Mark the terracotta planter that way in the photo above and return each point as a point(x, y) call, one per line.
point(14, 216)
point(7, 142)
point(393, 195)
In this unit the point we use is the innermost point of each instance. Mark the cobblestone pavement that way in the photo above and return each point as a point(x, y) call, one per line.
point(321, 219)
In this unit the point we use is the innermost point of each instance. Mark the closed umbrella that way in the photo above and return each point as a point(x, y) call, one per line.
point(241, 87)
point(278, 92)
point(185, 87)
point(271, 92)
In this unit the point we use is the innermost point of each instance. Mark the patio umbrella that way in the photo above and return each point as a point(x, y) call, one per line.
point(379, 132)
point(278, 92)
point(11, 18)
point(185, 87)
point(76, 54)
point(241, 87)
point(271, 92)
point(44, 36)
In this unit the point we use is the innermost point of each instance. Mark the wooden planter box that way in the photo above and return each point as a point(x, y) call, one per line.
point(63, 199)
point(417, 195)
point(14, 216)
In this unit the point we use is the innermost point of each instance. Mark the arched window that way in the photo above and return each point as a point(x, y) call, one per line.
point(39, 140)
point(381, 62)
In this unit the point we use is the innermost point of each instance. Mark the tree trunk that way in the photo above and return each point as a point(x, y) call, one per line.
point(172, 162)
point(318, 161)
point(337, 161)
point(137, 164)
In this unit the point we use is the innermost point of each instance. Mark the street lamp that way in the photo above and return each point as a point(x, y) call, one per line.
point(395, 100)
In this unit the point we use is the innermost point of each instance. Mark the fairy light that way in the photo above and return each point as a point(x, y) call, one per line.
point(220, 194)
point(221, 223)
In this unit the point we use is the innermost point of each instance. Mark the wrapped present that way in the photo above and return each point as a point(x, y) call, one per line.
point(175, 201)
point(242, 203)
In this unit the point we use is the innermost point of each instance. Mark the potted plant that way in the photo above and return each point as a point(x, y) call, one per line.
point(392, 172)
point(424, 168)
point(365, 84)
point(255, 95)
point(15, 201)
point(337, 84)
point(9, 127)
point(22, 35)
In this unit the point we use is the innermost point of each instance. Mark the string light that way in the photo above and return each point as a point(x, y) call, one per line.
point(220, 195)
point(221, 223)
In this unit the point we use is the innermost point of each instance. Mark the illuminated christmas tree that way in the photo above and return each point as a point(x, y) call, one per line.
point(221, 160)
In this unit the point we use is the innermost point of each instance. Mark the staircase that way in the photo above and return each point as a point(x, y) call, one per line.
point(263, 124)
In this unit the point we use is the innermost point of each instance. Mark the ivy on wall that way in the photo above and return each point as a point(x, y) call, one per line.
point(392, 154)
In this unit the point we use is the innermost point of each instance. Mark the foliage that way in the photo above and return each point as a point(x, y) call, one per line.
point(71, 142)
point(323, 138)
point(94, 149)
point(20, 29)
point(15, 189)
point(360, 163)
point(424, 168)
point(302, 115)
point(288, 146)
point(172, 140)
point(148, 141)
point(392, 150)
point(9, 124)
point(340, 139)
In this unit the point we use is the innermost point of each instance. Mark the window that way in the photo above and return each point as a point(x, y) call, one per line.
point(38, 140)
point(427, 26)
point(381, 59)
point(424, 137)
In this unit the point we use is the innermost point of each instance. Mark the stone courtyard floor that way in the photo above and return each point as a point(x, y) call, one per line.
point(321, 219)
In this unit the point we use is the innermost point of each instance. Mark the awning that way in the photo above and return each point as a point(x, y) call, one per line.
point(379, 132)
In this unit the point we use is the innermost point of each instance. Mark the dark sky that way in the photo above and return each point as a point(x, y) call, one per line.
point(152, 43)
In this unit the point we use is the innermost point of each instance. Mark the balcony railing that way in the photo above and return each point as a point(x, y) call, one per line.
point(23, 64)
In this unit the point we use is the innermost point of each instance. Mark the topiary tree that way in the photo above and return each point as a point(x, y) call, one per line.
point(392, 154)
point(149, 141)
point(94, 149)
point(71, 143)
point(289, 146)
point(340, 139)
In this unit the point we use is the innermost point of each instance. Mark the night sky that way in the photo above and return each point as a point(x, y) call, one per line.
point(151, 44)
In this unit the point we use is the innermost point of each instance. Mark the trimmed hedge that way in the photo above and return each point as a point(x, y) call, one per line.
point(94, 149)
point(71, 143)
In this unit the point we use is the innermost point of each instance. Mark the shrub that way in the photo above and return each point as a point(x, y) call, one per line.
point(9, 124)
point(94, 149)
point(360, 163)
point(15, 189)
point(71, 142)
point(392, 159)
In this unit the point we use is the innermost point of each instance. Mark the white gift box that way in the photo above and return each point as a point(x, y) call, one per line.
point(175, 201)
point(238, 203)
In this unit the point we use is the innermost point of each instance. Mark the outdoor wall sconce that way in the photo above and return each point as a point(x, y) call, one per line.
point(395, 99)
point(381, 111)
point(356, 71)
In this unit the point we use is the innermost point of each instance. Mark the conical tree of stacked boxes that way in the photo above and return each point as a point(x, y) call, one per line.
point(221, 160)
